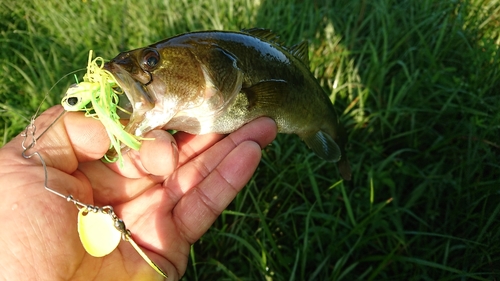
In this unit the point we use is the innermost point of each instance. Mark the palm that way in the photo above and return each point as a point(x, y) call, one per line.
point(165, 209)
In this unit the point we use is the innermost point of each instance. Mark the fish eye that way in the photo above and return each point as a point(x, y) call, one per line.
point(151, 59)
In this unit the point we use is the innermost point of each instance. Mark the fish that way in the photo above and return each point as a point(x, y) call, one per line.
point(217, 81)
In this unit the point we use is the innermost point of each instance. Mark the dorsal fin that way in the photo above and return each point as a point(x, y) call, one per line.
point(264, 34)
point(301, 51)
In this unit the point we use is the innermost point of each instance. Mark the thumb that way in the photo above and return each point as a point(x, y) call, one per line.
point(73, 138)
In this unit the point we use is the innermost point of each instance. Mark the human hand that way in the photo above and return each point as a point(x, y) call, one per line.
point(168, 196)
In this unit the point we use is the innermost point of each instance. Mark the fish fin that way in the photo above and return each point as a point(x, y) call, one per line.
point(300, 51)
point(266, 94)
point(323, 145)
point(264, 34)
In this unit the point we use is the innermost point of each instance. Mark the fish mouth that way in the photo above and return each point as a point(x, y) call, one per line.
point(137, 98)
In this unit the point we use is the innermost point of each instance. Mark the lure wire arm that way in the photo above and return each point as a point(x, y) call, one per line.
point(30, 132)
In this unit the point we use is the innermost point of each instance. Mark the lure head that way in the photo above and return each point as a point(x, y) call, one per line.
point(78, 96)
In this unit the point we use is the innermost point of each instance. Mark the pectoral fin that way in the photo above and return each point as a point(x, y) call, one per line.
point(323, 145)
point(266, 94)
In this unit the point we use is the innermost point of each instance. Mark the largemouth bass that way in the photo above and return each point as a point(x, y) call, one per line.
point(217, 81)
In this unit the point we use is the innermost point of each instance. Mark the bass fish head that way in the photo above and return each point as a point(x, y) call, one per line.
point(133, 73)
point(138, 64)
point(175, 84)
point(158, 82)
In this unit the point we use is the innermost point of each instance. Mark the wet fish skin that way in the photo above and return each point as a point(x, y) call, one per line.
point(217, 81)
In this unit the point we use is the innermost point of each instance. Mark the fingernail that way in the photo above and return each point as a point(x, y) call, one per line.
point(175, 154)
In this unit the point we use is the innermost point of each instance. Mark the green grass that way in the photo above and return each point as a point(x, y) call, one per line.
point(417, 83)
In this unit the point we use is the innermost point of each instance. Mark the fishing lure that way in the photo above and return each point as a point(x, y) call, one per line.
point(99, 228)
point(98, 96)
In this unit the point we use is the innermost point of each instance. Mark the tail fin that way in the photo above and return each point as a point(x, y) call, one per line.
point(323, 145)
point(326, 148)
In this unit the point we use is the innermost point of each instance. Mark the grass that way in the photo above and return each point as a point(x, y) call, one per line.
point(417, 85)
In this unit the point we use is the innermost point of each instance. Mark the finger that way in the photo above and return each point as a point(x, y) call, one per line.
point(261, 131)
point(141, 170)
point(87, 136)
point(199, 208)
point(191, 146)
point(160, 156)
point(71, 139)
point(61, 146)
